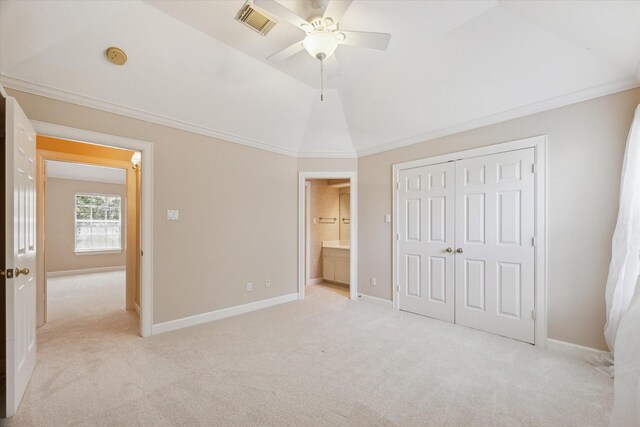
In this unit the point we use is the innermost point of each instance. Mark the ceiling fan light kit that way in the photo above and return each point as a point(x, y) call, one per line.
point(322, 33)
point(320, 44)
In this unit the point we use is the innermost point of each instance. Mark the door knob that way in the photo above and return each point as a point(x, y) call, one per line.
point(448, 250)
point(459, 250)
point(25, 271)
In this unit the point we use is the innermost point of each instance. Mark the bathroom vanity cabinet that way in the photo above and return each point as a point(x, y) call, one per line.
point(335, 262)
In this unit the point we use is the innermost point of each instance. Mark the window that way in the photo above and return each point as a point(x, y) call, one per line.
point(98, 222)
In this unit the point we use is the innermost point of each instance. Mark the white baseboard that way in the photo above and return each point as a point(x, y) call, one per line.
point(85, 271)
point(375, 300)
point(575, 350)
point(315, 281)
point(198, 319)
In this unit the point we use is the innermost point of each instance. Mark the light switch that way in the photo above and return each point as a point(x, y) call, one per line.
point(173, 215)
point(387, 217)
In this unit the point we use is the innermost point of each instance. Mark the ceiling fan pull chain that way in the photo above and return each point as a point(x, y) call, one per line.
point(321, 80)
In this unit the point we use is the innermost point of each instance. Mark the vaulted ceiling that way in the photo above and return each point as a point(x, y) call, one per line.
point(450, 66)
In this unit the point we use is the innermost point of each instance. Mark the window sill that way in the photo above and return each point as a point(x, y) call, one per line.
point(98, 252)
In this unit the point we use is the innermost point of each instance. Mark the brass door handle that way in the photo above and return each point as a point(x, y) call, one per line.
point(459, 250)
point(448, 250)
point(25, 271)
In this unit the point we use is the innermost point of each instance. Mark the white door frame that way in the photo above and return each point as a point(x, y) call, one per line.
point(307, 236)
point(353, 207)
point(539, 144)
point(146, 219)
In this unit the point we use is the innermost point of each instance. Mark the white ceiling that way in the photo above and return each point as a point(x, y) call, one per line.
point(84, 172)
point(450, 66)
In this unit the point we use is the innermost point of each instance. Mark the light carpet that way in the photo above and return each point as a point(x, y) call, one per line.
point(322, 361)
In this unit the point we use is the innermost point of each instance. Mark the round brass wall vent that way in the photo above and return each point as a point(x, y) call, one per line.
point(116, 56)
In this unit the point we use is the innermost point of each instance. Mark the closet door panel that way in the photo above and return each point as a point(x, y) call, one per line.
point(425, 231)
point(494, 222)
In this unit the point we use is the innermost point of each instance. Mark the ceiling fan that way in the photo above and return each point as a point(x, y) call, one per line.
point(323, 34)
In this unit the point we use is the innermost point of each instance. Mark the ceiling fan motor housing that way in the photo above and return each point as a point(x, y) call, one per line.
point(318, 23)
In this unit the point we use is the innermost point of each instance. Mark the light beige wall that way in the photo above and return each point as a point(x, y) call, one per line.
point(585, 149)
point(238, 212)
point(325, 203)
point(60, 225)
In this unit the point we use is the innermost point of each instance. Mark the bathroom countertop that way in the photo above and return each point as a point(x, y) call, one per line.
point(336, 244)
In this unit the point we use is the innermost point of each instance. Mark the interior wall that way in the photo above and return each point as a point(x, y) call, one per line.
point(585, 148)
point(325, 203)
point(60, 224)
point(237, 204)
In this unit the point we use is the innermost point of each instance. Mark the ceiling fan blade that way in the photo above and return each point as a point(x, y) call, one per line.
point(331, 67)
point(286, 52)
point(336, 9)
point(280, 11)
point(378, 41)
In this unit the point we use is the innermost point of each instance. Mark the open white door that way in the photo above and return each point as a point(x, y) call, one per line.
point(20, 253)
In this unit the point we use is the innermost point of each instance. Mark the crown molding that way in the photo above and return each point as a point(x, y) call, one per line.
point(326, 155)
point(534, 108)
point(110, 107)
point(537, 107)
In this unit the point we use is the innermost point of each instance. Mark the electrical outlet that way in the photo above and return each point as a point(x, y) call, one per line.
point(373, 281)
point(267, 283)
point(249, 286)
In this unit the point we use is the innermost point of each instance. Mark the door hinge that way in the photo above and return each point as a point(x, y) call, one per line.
point(397, 236)
point(533, 241)
point(533, 314)
point(398, 185)
point(397, 288)
point(8, 273)
point(141, 252)
point(533, 168)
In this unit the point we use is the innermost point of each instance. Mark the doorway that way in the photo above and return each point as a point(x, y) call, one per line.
point(87, 211)
point(327, 250)
point(140, 171)
point(328, 225)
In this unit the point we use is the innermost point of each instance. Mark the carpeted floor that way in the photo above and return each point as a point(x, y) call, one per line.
point(322, 361)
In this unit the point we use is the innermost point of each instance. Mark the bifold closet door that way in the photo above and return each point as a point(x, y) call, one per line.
point(494, 264)
point(425, 241)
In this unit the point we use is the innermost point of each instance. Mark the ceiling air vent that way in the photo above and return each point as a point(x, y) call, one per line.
point(255, 20)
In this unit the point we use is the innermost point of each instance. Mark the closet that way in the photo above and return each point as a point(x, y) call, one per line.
point(465, 247)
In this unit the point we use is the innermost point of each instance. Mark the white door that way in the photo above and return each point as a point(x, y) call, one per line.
point(21, 253)
point(494, 264)
point(425, 241)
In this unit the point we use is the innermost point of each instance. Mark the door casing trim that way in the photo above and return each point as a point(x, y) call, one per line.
point(540, 280)
point(146, 194)
point(353, 206)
